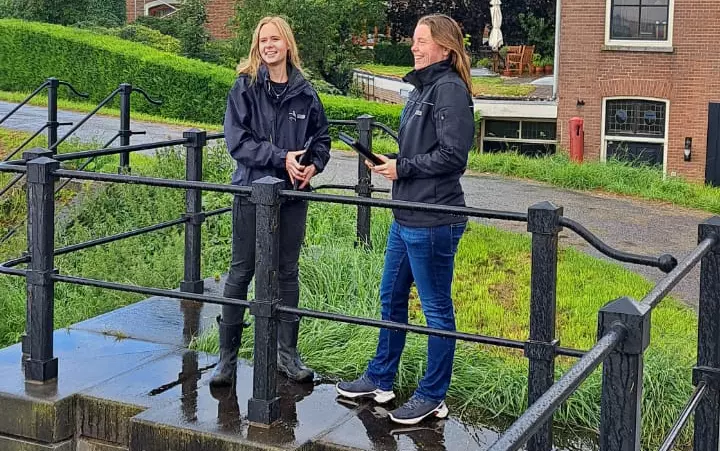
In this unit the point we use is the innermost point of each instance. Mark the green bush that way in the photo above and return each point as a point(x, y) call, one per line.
point(221, 52)
point(393, 54)
point(150, 37)
point(165, 25)
point(190, 89)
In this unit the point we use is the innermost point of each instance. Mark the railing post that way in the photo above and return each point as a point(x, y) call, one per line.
point(707, 415)
point(52, 119)
point(124, 132)
point(194, 216)
point(41, 366)
point(622, 378)
point(364, 185)
point(29, 155)
point(544, 224)
point(264, 406)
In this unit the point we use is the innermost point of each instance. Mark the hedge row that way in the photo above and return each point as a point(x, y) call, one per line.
point(393, 54)
point(96, 64)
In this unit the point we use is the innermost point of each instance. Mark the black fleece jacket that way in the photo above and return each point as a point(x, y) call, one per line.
point(437, 129)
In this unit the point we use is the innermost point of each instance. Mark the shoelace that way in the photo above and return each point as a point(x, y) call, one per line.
point(413, 403)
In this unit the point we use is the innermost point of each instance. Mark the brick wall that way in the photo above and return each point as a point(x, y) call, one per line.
point(219, 13)
point(689, 77)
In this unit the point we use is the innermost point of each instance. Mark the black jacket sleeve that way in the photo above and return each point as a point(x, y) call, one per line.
point(242, 143)
point(455, 130)
point(321, 147)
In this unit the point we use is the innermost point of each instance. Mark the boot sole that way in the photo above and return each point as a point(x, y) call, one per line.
point(440, 411)
point(375, 395)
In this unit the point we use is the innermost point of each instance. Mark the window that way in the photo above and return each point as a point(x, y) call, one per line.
point(635, 130)
point(532, 138)
point(639, 22)
point(161, 8)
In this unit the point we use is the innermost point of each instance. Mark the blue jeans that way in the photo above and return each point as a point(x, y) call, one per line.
point(426, 256)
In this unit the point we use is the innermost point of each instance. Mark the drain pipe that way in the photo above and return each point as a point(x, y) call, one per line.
point(556, 57)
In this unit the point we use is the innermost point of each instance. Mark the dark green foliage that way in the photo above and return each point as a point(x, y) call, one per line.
point(165, 25)
point(193, 35)
point(538, 32)
point(64, 12)
point(393, 54)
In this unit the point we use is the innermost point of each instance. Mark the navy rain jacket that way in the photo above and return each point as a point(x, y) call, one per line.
point(260, 129)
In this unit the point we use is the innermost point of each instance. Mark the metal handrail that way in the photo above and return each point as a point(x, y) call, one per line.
point(537, 414)
point(665, 262)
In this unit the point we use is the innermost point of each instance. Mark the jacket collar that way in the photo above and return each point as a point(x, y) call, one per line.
point(296, 81)
point(428, 75)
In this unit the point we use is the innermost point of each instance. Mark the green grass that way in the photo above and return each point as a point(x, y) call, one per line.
point(482, 86)
point(613, 177)
point(490, 292)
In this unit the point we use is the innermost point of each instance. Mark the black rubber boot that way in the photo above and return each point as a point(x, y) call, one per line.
point(226, 370)
point(289, 362)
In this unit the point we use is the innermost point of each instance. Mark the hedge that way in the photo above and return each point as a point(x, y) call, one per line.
point(393, 54)
point(190, 89)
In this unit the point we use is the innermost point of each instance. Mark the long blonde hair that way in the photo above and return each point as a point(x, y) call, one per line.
point(251, 65)
point(446, 33)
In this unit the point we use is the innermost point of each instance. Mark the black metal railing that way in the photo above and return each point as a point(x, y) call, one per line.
point(52, 125)
point(623, 324)
point(52, 84)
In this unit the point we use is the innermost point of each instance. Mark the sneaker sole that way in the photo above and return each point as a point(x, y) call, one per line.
point(440, 411)
point(380, 398)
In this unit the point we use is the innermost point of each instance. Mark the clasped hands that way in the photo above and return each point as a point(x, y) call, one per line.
point(296, 171)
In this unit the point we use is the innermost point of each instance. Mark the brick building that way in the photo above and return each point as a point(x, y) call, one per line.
point(645, 77)
point(219, 13)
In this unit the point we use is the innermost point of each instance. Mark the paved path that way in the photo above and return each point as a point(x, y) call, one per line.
point(630, 225)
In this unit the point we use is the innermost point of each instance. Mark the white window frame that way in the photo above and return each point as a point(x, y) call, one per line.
point(519, 140)
point(171, 3)
point(605, 138)
point(648, 44)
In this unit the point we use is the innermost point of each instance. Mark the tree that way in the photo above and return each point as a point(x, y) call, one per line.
point(322, 28)
point(192, 33)
point(473, 16)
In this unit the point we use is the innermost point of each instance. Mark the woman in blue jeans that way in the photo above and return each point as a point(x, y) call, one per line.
point(436, 133)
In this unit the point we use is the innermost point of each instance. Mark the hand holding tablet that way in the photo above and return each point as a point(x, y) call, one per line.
point(360, 149)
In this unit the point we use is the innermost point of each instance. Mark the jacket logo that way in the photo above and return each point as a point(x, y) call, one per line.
point(418, 112)
point(295, 116)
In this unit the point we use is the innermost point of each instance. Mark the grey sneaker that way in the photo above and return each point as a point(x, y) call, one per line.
point(417, 409)
point(364, 388)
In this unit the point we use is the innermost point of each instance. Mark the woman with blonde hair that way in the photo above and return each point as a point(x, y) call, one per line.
point(273, 116)
point(436, 133)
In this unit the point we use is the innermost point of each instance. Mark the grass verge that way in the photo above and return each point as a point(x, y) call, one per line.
point(613, 177)
point(482, 86)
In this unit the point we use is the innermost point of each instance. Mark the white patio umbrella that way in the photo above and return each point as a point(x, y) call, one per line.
point(495, 40)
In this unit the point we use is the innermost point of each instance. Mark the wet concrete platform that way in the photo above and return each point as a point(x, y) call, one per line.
point(127, 382)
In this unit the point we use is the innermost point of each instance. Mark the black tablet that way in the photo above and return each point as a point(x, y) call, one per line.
point(360, 149)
